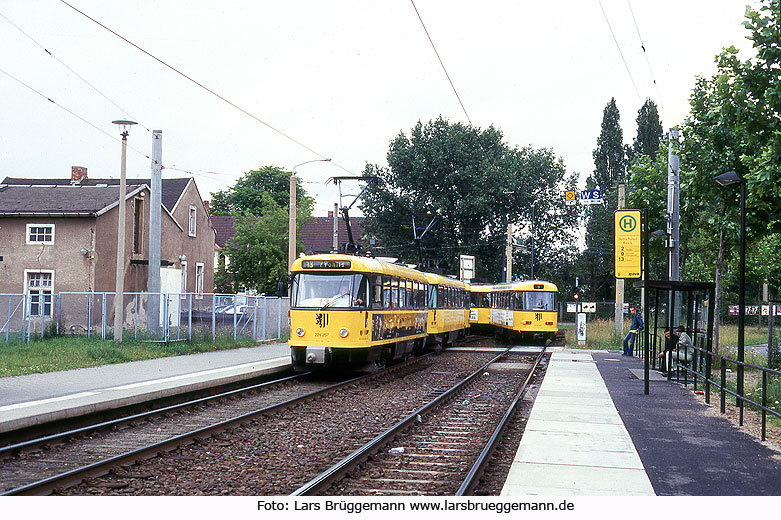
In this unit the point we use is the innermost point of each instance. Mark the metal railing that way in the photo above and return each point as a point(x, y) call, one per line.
point(160, 317)
point(701, 368)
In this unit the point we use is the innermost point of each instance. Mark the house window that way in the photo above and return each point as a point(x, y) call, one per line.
point(39, 286)
point(199, 279)
point(40, 233)
point(192, 220)
point(138, 226)
point(184, 276)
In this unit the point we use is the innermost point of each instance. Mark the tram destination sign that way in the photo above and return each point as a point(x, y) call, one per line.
point(627, 243)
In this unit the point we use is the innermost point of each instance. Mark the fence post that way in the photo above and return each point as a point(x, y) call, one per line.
point(265, 315)
point(234, 317)
point(764, 403)
point(25, 337)
point(214, 318)
point(8, 323)
point(59, 313)
point(255, 322)
point(135, 320)
point(103, 318)
point(279, 318)
point(723, 385)
point(190, 320)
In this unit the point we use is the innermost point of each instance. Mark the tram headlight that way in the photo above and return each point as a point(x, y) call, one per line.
point(344, 333)
point(299, 332)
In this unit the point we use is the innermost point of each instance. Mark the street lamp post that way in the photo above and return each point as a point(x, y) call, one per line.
point(119, 297)
point(726, 179)
point(533, 203)
point(291, 249)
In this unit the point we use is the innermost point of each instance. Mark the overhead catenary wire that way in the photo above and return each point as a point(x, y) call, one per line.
point(645, 53)
point(623, 59)
point(52, 56)
point(431, 41)
point(207, 89)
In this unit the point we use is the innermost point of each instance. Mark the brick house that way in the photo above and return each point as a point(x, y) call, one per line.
point(60, 235)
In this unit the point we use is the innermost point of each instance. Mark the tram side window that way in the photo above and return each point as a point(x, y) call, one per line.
point(402, 294)
point(432, 296)
point(410, 294)
point(386, 293)
point(361, 298)
point(377, 292)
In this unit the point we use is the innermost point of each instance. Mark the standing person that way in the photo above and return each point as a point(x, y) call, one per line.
point(634, 328)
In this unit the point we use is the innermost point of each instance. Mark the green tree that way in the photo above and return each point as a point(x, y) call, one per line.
point(246, 196)
point(649, 131)
point(609, 169)
point(471, 185)
point(258, 249)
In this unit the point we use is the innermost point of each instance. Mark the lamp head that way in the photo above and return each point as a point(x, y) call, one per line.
point(124, 127)
point(727, 178)
point(659, 233)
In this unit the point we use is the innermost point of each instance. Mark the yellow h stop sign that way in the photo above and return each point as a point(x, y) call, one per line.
point(627, 241)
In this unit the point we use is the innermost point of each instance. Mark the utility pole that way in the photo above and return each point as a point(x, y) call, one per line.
point(155, 195)
point(119, 294)
point(509, 253)
point(673, 203)
point(673, 219)
point(619, 311)
point(335, 247)
point(291, 230)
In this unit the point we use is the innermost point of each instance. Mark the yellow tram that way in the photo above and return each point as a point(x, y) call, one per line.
point(448, 309)
point(480, 307)
point(355, 312)
point(527, 308)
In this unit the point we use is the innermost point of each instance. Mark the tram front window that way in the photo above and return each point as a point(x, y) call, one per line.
point(321, 290)
point(538, 300)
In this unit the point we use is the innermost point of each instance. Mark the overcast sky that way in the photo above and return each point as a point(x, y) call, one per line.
point(342, 78)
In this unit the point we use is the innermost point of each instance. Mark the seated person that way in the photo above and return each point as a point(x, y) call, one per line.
point(343, 297)
point(683, 353)
point(670, 346)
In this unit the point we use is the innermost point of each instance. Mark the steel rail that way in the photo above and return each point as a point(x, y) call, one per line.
point(142, 415)
point(75, 476)
point(471, 480)
point(336, 471)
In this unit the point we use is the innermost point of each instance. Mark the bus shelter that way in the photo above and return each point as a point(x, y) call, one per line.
point(669, 304)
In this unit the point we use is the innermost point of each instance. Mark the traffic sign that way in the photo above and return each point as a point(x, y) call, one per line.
point(583, 196)
point(627, 242)
point(591, 197)
point(589, 306)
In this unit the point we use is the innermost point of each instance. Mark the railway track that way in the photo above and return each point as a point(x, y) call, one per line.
point(269, 451)
point(41, 465)
point(441, 448)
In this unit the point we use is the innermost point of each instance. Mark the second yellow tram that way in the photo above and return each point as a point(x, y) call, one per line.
point(527, 308)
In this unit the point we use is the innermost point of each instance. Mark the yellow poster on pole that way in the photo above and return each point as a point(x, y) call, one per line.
point(628, 243)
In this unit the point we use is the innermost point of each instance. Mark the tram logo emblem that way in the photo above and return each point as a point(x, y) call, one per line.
point(321, 319)
point(627, 223)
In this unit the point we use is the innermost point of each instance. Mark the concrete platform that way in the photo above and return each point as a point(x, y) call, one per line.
point(39, 398)
point(575, 443)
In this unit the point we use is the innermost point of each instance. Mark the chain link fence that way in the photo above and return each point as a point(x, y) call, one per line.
point(160, 317)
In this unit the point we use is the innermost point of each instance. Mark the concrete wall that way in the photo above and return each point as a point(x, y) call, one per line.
point(72, 269)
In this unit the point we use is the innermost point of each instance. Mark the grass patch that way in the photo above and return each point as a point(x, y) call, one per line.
point(68, 352)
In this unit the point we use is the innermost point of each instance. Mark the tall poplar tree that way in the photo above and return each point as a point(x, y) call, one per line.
point(649, 131)
point(610, 165)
